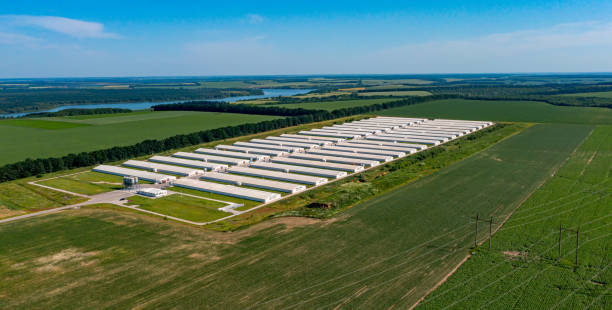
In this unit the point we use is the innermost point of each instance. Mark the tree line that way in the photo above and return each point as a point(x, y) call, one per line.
point(37, 167)
point(72, 112)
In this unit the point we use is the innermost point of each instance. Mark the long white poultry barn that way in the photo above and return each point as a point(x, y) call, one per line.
point(295, 140)
point(352, 155)
point(451, 126)
point(212, 158)
point(349, 129)
point(327, 173)
point(367, 127)
point(281, 176)
point(253, 182)
point(317, 164)
point(143, 175)
point(342, 132)
point(288, 149)
point(188, 163)
point(250, 150)
point(329, 139)
point(358, 128)
point(423, 134)
point(395, 139)
point(154, 167)
point(406, 135)
point(306, 146)
point(409, 150)
point(250, 157)
point(336, 159)
point(438, 130)
point(228, 190)
point(329, 134)
point(425, 131)
point(358, 149)
point(393, 144)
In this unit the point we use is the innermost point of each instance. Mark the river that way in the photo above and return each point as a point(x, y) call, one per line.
point(267, 93)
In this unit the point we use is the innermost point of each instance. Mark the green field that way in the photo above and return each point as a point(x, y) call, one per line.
point(521, 270)
point(181, 206)
point(19, 142)
point(86, 183)
point(40, 124)
point(26, 197)
point(514, 111)
point(602, 94)
point(334, 105)
point(385, 252)
point(396, 93)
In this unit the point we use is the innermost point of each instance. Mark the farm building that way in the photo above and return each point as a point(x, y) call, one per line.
point(343, 148)
point(212, 158)
point(327, 173)
point(296, 140)
point(330, 139)
point(275, 175)
point(143, 175)
point(402, 135)
point(228, 190)
point(317, 164)
point(423, 134)
point(253, 182)
point(352, 155)
point(288, 149)
point(407, 140)
point(337, 159)
point(359, 128)
point(155, 167)
point(188, 163)
point(306, 146)
point(363, 132)
point(329, 134)
point(408, 150)
point(393, 144)
point(152, 192)
point(241, 155)
point(250, 150)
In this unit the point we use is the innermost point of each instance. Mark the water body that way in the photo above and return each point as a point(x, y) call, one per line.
point(267, 93)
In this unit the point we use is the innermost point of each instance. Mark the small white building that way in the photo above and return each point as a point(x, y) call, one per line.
point(152, 192)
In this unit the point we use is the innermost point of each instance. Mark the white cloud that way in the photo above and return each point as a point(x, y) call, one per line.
point(17, 39)
point(255, 19)
point(564, 47)
point(72, 27)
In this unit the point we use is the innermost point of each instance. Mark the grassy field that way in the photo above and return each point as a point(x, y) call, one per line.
point(602, 94)
point(86, 183)
point(396, 93)
point(521, 270)
point(516, 111)
point(385, 252)
point(333, 105)
point(19, 196)
point(71, 135)
point(181, 206)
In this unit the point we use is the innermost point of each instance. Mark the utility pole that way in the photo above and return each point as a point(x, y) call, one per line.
point(577, 231)
point(490, 221)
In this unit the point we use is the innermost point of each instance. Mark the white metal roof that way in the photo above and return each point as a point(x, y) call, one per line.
point(352, 155)
point(348, 132)
point(332, 139)
point(389, 143)
point(251, 157)
point(317, 164)
point(424, 134)
point(276, 175)
point(212, 158)
point(407, 140)
point(362, 150)
point(253, 182)
point(409, 136)
point(188, 163)
point(307, 141)
point(396, 148)
point(162, 167)
point(286, 143)
point(144, 175)
point(290, 149)
point(300, 169)
point(329, 134)
point(228, 190)
point(337, 159)
point(250, 150)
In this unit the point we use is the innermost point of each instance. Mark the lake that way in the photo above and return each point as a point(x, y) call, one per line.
point(267, 93)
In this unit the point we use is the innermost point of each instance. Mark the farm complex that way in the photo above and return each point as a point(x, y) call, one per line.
point(266, 170)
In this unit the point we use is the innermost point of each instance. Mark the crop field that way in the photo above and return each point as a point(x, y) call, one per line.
point(25, 197)
point(181, 206)
point(385, 252)
point(515, 111)
point(603, 94)
point(19, 142)
point(333, 105)
point(521, 270)
point(396, 93)
point(86, 183)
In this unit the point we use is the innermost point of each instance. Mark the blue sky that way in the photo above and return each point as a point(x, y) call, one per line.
point(163, 38)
